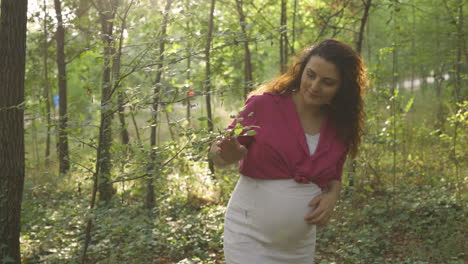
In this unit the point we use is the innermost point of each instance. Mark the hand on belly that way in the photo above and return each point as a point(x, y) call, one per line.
point(283, 221)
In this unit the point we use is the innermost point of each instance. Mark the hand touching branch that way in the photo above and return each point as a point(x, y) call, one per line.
point(228, 151)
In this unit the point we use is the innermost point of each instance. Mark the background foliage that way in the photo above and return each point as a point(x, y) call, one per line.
point(404, 196)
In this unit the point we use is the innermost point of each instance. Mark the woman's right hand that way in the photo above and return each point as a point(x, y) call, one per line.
point(229, 150)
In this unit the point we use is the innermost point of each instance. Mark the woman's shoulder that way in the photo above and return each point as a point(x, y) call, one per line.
point(266, 98)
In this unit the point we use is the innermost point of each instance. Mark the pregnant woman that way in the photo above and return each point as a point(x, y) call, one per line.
point(306, 121)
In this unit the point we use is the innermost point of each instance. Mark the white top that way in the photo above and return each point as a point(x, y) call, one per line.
point(312, 141)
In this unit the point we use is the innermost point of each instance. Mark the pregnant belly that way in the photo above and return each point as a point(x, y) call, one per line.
point(272, 212)
point(280, 219)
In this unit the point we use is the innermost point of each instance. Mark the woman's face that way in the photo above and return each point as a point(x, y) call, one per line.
point(319, 82)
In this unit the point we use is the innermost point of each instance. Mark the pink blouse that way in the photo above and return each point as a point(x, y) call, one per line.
point(279, 148)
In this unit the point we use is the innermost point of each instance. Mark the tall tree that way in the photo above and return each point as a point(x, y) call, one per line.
point(367, 4)
point(116, 79)
point(101, 176)
point(107, 10)
point(208, 76)
point(359, 41)
point(247, 58)
point(12, 70)
point(458, 21)
point(64, 163)
point(294, 27)
point(283, 37)
point(46, 94)
point(189, 67)
point(157, 93)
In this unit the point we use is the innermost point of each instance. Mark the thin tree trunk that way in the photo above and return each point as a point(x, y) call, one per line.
point(438, 85)
point(457, 93)
point(64, 163)
point(13, 21)
point(106, 16)
point(46, 94)
point(121, 94)
point(368, 44)
point(208, 77)
point(367, 5)
point(247, 57)
point(168, 120)
point(116, 75)
point(394, 105)
point(294, 27)
point(89, 223)
point(137, 130)
point(460, 48)
point(124, 135)
point(189, 69)
point(283, 38)
point(413, 50)
point(189, 96)
point(101, 176)
point(149, 202)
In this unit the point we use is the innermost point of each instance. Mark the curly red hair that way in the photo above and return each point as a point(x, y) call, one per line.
point(347, 107)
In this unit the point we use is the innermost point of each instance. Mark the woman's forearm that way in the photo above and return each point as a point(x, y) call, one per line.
point(334, 186)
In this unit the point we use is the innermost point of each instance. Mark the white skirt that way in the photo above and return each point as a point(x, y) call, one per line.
point(264, 222)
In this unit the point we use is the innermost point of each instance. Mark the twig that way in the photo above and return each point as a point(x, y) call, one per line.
point(163, 164)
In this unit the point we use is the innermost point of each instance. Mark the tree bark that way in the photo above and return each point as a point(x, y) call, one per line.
point(208, 77)
point(365, 15)
point(283, 38)
point(294, 27)
point(101, 177)
point(46, 93)
point(413, 50)
point(106, 16)
point(189, 69)
point(247, 57)
point(64, 164)
point(188, 94)
point(149, 202)
point(12, 162)
point(124, 135)
point(367, 5)
point(460, 47)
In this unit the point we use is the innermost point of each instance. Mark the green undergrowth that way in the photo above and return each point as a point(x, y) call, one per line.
point(54, 224)
point(413, 224)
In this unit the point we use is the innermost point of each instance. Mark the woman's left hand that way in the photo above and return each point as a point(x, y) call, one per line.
point(325, 203)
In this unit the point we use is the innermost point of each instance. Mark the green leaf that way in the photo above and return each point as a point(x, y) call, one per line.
point(409, 104)
point(237, 131)
point(169, 108)
point(250, 133)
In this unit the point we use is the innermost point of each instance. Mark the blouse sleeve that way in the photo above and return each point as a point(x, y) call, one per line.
point(247, 118)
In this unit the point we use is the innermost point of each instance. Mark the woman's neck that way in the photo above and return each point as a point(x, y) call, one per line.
point(304, 110)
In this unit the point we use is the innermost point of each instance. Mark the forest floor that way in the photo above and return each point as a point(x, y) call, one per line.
point(413, 224)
